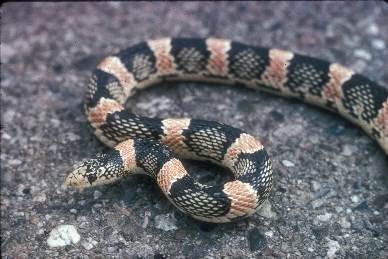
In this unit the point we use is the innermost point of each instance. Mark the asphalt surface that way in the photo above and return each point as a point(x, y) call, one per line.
point(330, 196)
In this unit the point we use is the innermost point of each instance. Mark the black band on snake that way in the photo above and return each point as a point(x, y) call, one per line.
point(151, 146)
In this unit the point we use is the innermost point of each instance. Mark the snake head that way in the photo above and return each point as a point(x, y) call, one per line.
point(102, 169)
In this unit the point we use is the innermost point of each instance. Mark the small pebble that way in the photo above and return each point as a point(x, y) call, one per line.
point(355, 199)
point(315, 185)
point(146, 219)
point(55, 122)
point(111, 249)
point(378, 44)
point(373, 29)
point(7, 51)
point(72, 137)
point(34, 221)
point(361, 53)
point(81, 218)
point(287, 163)
point(348, 150)
point(165, 222)
point(333, 248)
point(266, 211)
point(87, 245)
point(14, 162)
point(339, 209)
point(6, 136)
point(325, 217)
point(63, 235)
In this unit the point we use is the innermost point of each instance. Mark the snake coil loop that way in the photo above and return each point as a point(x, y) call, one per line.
point(150, 145)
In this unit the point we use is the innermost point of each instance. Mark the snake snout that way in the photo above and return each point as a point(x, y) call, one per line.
point(76, 179)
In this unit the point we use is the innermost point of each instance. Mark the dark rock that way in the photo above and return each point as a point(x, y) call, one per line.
point(257, 240)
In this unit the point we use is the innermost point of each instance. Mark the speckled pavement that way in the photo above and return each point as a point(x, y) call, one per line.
point(330, 197)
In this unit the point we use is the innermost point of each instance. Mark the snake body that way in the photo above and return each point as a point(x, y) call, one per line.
point(151, 146)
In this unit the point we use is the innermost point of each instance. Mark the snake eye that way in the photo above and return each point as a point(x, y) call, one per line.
point(92, 178)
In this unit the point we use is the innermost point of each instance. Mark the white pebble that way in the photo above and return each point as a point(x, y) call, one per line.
point(348, 150)
point(7, 51)
point(287, 163)
point(378, 44)
point(19, 190)
point(13, 162)
point(146, 219)
point(63, 235)
point(373, 29)
point(165, 222)
point(81, 218)
point(19, 214)
point(333, 248)
point(87, 245)
point(361, 53)
point(55, 122)
point(72, 137)
point(325, 217)
point(315, 185)
point(6, 136)
point(269, 234)
point(266, 211)
point(355, 199)
point(339, 209)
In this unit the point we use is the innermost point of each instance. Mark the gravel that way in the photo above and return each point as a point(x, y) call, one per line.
point(330, 192)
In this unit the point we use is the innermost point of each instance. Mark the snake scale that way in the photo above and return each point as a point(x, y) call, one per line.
point(150, 146)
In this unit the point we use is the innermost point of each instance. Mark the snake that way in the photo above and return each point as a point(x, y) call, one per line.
point(155, 147)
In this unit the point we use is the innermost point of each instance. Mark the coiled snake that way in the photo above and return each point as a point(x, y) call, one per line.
point(150, 145)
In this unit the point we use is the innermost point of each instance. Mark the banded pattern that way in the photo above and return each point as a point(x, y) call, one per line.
point(150, 145)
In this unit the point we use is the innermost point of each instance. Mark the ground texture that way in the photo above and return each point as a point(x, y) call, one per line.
point(330, 194)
